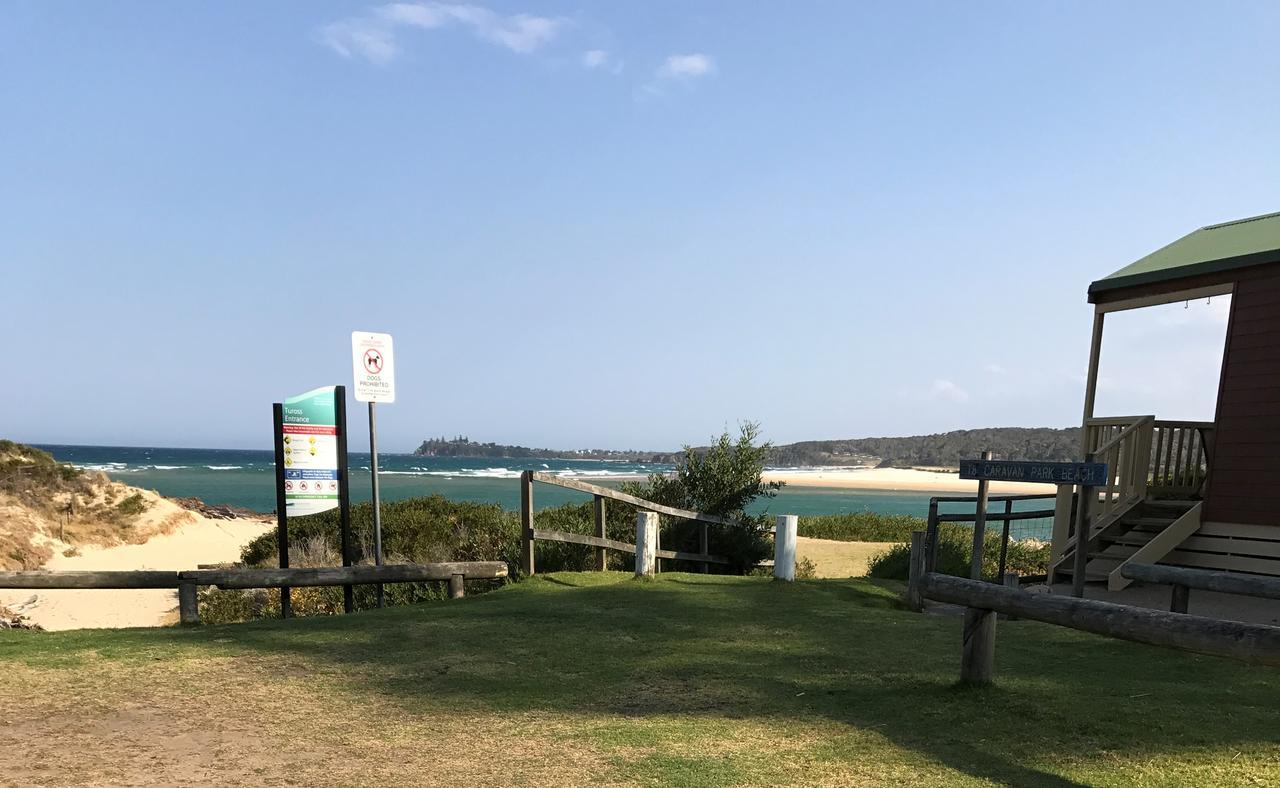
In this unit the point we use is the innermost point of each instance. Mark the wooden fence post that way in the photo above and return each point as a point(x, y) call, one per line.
point(526, 523)
point(916, 570)
point(457, 589)
point(931, 537)
point(784, 547)
point(1011, 580)
point(646, 543)
point(704, 545)
point(978, 649)
point(1004, 538)
point(979, 527)
point(188, 604)
point(602, 558)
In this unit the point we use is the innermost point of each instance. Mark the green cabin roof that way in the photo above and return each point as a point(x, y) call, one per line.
point(1218, 247)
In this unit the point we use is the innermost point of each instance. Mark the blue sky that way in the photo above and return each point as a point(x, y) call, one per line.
point(620, 225)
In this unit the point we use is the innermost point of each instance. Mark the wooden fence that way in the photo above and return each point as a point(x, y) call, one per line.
point(1184, 580)
point(186, 582)
point(1006, 517)
point(529, 534)
point(1252, 643)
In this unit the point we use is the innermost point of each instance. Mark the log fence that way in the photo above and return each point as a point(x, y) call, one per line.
point(1251, 643)
point(187, 582)
point(530, 534)
point(1184, 580)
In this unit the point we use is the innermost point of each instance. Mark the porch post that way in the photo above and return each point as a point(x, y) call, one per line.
point(1091, 379)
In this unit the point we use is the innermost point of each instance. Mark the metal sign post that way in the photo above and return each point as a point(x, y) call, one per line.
point(979, 526)
point(344, 492)
point(373, 367)
point(282, 519)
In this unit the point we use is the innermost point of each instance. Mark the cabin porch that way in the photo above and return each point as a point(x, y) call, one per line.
point(1203, 494)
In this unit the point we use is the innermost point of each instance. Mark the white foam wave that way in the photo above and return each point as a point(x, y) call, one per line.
point(224, 467)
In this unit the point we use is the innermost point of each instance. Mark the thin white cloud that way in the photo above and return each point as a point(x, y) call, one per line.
point(686, 66)
point(994, 369)
point(947, 390)
point(353, 38)
point(594, 58)
point(374, 37)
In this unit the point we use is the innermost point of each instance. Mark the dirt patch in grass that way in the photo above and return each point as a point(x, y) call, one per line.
point(839, 559)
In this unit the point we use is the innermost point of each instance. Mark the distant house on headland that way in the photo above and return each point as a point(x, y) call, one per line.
point(1197, 494)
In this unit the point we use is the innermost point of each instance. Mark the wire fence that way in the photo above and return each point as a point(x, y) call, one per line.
point(1017, 518)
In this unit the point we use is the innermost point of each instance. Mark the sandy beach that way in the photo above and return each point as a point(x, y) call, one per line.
point(191, 539)
point(890, 479)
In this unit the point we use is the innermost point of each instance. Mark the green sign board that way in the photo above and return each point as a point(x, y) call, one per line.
point(310, 437)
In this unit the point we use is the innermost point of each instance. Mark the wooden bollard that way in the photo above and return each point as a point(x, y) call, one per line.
point(784, 547)
point(646, 543)
point(188, 604)
point(457, 588)
point(978, 649)
point(915, 571)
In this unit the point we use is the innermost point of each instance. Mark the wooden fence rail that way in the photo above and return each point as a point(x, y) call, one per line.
point(186, 582)
point(1184, 580)
point(529, 534)
point(1252, 643)
point(1006, 517)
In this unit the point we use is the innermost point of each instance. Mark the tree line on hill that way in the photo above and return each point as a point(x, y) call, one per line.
point(939, 450)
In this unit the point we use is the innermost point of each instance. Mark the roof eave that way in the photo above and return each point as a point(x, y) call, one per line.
point(1182, 272)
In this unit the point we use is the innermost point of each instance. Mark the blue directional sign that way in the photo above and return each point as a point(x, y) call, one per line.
point(1088, 474)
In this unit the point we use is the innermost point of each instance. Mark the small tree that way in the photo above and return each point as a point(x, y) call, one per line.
point(723, 479)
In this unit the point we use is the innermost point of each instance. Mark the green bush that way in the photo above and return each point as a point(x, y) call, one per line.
point(134, 504)
point(955, 548)
point(722, 480)
point(861, 527)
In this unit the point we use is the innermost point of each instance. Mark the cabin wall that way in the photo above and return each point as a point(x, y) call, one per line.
point(1244, 476)
point(1241, 530)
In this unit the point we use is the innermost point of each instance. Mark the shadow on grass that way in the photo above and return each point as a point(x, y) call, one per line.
point(709, 647)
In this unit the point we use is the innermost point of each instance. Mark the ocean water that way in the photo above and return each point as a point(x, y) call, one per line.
point(244, 478)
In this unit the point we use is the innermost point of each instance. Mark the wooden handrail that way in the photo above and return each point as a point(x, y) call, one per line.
point(1120, 437)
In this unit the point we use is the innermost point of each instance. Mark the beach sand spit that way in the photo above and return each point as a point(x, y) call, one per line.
point(890, 479)
point(167, 537)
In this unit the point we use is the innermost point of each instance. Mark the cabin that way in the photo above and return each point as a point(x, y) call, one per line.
point(1194, 494)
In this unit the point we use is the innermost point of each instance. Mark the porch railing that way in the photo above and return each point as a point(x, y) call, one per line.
point(1144, 456)
point(1180, 456)
point(1124, 444)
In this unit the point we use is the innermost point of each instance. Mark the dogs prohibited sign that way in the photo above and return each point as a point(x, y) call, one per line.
point(372, 366)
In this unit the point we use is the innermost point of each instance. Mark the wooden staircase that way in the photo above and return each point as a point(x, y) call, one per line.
point(1145, 533)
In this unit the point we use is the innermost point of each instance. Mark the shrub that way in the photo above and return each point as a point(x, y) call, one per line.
point(955, 548)
point(861, 527)
point(723, 480)
point(134, 504)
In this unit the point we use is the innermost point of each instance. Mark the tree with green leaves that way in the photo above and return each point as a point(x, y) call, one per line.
point(723, 479)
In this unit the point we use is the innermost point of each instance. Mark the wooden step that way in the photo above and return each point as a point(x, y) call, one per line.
point(1135, 538)
point(1149, 523)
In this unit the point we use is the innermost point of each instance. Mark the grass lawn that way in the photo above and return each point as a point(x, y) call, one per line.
point(579, 679)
